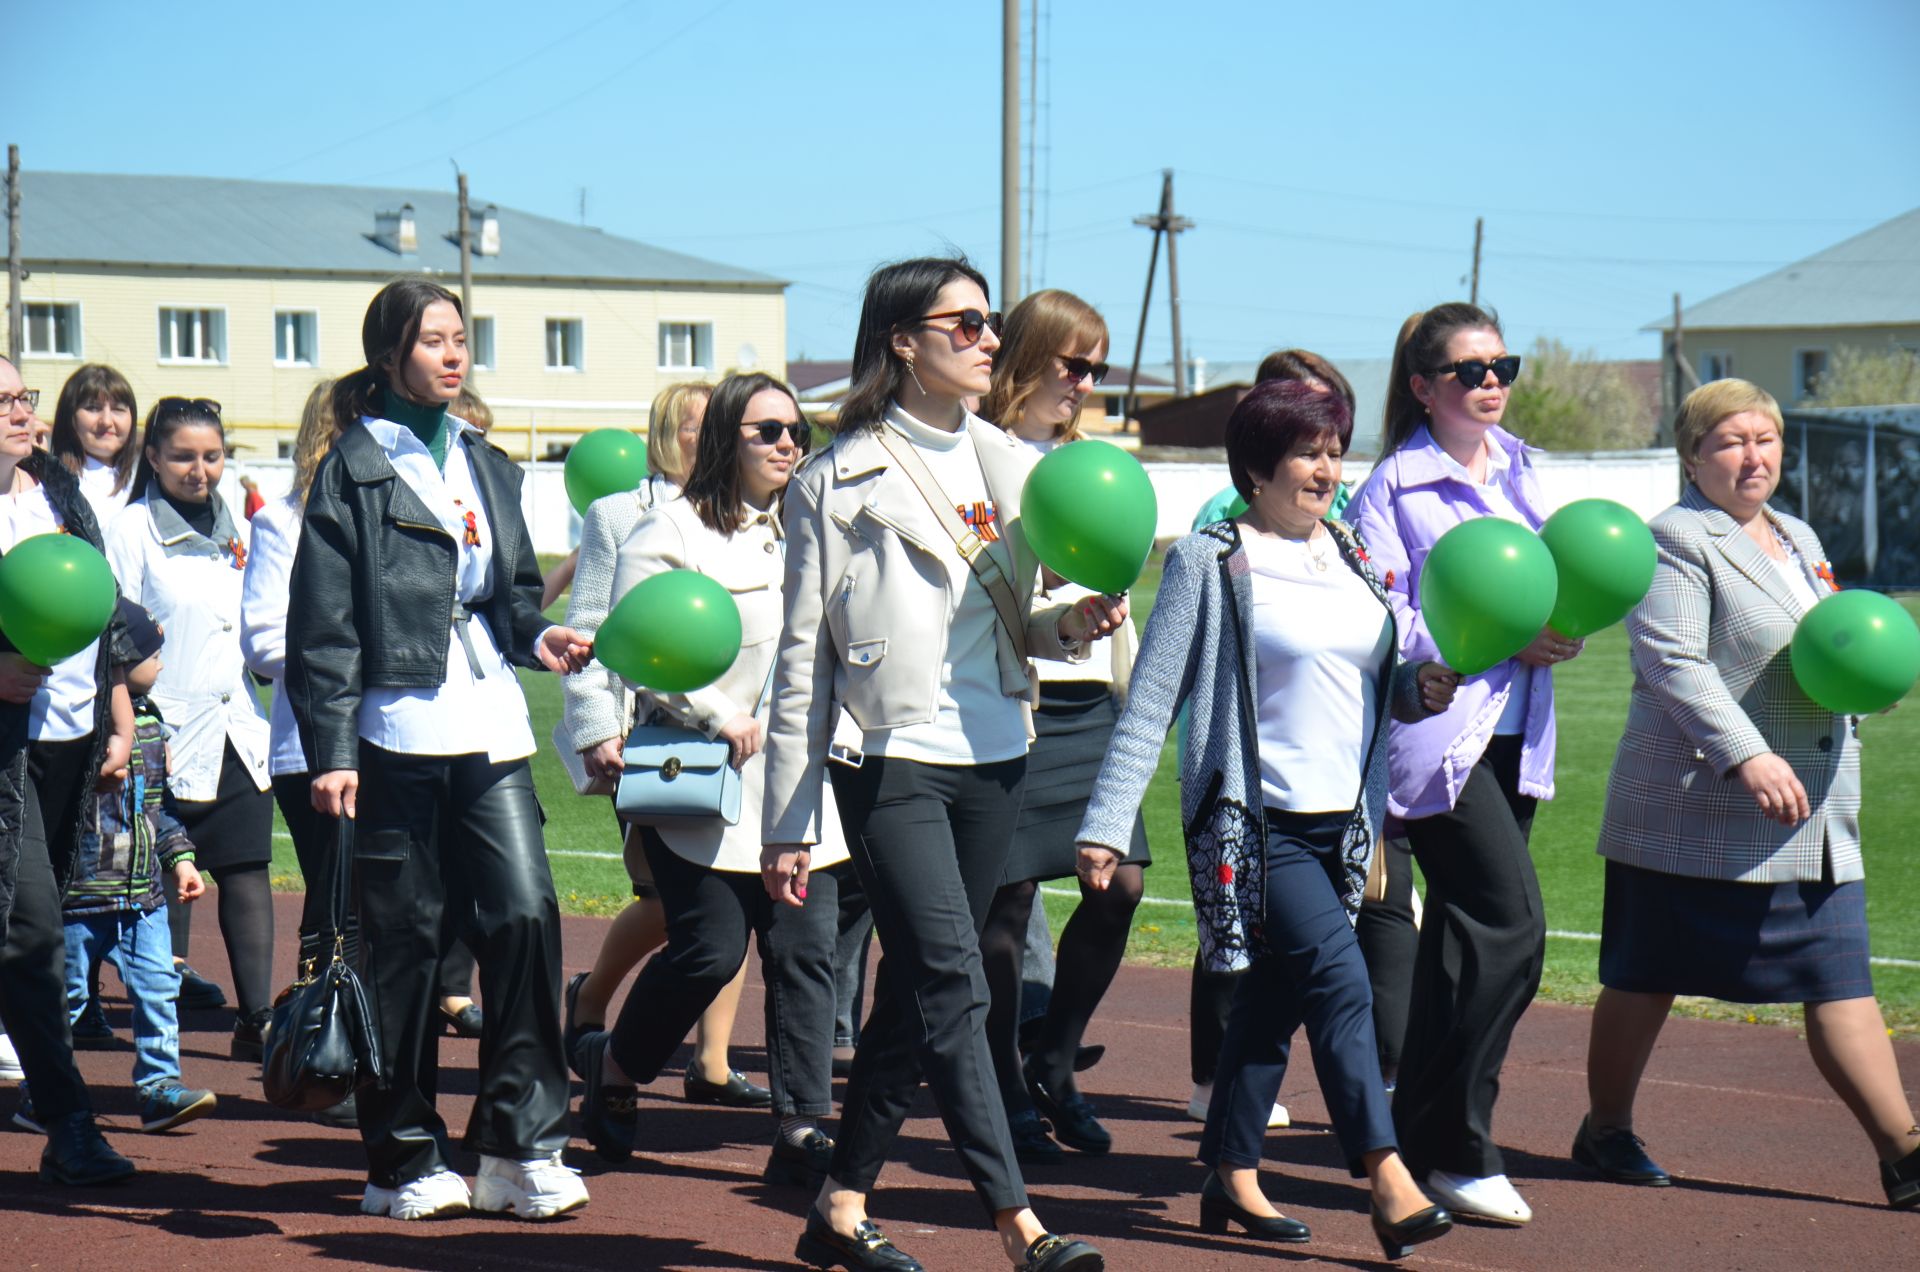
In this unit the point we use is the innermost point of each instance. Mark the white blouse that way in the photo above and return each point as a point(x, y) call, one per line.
point(263, 620)
point(1320, 639)
point(62, 709)
point(96, 483)
point(191, 586)
point(467, 712)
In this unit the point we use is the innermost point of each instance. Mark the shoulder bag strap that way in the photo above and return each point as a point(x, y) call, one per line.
point(970, 545)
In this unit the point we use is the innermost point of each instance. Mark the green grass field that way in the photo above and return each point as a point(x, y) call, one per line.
point(1591, 695)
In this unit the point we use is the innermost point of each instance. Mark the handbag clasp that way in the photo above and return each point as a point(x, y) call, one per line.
point(670, 769)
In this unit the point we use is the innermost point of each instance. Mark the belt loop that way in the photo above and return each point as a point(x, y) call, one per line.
point(463, 624)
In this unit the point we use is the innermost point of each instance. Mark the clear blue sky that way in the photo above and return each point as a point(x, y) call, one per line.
point(1334, 156)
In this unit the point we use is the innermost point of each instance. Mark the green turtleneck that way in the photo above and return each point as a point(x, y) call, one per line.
point(428, 423)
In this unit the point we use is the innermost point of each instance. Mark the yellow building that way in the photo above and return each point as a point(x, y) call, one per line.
point(1780, 330)
point(248, 292)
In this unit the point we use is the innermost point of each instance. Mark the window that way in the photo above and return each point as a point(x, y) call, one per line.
point(193, 335)
point(53, 330)
point(686, 346)
point(1715, 364)
point(564, 341)
point(1115, 405)
point(480, 344)
point(1808, 366)
point(296, 338)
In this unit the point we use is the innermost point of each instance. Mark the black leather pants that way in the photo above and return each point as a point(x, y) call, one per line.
point(33, 968)
point(452, 844)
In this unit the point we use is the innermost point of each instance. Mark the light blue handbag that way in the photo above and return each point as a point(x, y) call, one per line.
point(672, 773)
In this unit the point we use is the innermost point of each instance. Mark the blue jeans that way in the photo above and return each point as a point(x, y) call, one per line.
point(141, 949)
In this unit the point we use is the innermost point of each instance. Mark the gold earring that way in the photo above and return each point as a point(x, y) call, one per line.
point(1256, 492)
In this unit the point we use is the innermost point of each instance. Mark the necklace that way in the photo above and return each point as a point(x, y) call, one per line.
point(1320, 560)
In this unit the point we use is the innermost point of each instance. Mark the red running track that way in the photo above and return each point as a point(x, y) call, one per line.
point(1773, 1172)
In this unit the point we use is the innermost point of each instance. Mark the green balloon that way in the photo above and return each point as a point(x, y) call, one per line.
point(1486, 590)
point(1089, 512)
point(1856, 652)
point(604, 462)
point(1604, 555)
point(674, 632)
point(56, 595)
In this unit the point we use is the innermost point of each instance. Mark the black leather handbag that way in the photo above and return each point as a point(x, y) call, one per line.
point(322, 1042)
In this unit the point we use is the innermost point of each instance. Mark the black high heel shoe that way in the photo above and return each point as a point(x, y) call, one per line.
point(1218, 1208)
point(1901, 1179)
point(1398, 1239)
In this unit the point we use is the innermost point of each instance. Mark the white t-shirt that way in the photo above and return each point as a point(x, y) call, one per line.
point(974, 721)
point(465, 713)
point(1320, 638)
point(62, 708)
point(1099, 663)
point(1497, 490)
point(96, 483)
point(264, 598)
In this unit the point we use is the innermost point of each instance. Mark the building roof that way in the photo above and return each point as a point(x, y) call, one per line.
point(73, 218)
point(806, 376)
point(1871, 279)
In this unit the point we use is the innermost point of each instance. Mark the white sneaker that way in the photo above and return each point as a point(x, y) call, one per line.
point(1490, 1198)
point(428, 1197)
point(10, 1070)
point(536, 1189)
point(1203, 1096)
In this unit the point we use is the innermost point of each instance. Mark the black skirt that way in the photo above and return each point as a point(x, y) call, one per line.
point(235, 827)
point(1742, 942)
point(1072, 727)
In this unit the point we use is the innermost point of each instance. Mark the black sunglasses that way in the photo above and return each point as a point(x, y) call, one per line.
point(1472, 372)
point(172, 405)
point(768, 432)
point(1079, 369)
point(972, 322)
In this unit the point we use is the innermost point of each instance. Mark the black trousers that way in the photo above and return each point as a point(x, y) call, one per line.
point(1209, 1001)
point(1309, 971)
point(33, 965)
point(929, 843)
point(710, 914)
point(1482, 945)
point(850, 948)
point(453, 843)
point(1391, 941)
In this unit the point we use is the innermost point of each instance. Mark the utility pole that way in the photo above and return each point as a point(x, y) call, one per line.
point(1681, 373)
point(1473, 294)
point(1162, 222)
point(16, 320)
point(1009, 153)
point(466, 249)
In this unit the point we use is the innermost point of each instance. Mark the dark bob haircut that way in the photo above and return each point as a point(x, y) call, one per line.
point(897, 296)
point(1273, 420)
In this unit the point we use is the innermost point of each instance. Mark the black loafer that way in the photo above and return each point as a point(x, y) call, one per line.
point(865, 1251)
point(1073, 1121)
point(802, 1165)
point(78, 1155)
point(249, 1037)
point(1901, 1179)
point(1218, 1209)
point(465, 1023)
point(197, 993)
point(735, 1093)
point(1618, 1156)
point(1032, 1145)
point(1049, 1253)
point(607, 1117)
point(574, 1030)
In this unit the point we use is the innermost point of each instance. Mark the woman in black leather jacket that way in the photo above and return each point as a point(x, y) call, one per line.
point(414, 589)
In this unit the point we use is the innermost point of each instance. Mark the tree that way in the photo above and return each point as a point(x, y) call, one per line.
point(1573, 401)
point(1868, 377)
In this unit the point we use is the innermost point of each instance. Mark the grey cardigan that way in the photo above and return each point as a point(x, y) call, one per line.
point(595, 704)
point(1712, 687)
point(1198, 652)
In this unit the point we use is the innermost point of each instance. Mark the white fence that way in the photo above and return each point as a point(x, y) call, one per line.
point(1645, 481)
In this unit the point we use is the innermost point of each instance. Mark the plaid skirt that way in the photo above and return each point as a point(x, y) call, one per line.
point(1786, 942)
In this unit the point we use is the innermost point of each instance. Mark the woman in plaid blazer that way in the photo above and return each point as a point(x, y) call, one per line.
point(1732, 832)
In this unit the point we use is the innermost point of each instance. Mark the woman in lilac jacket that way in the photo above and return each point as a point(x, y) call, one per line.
point(1465, 782)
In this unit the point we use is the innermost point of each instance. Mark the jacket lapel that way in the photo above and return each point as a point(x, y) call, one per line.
point(1740, 550)
point(895, 501)
point(367, 464)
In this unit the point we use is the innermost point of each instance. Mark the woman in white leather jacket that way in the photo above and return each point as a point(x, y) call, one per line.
point(910, 605)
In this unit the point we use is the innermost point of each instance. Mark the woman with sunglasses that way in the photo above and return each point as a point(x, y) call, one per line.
point(727, 526)
point(414, 592)
point(93, 435)
point(911, 606)
point(180, 552)
point(1464, 782)
point(1052, 356)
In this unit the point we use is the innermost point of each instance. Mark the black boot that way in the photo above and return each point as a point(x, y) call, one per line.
point(77, 1154)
